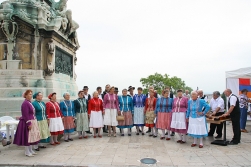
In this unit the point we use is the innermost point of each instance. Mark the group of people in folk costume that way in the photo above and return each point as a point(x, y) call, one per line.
point(184, 114)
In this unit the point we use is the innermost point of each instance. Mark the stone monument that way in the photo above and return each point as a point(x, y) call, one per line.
point(38, 44)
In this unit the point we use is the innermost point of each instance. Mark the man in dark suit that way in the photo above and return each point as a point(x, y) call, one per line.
point(107, 87)
point(234, 113)
point(87, 97)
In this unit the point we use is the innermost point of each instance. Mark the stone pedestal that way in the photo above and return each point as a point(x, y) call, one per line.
point(37, 51)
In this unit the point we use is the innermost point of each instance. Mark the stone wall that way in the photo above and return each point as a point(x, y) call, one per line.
point(37, 52)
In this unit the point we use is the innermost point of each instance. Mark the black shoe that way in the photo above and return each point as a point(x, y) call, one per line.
point(140, 131)
point(88, 132)
point(172, 134)
point(105, 131)
point(70, 139)
point(129, 134)
point(148, 131)
point(37, 149)
point(218, 136)
point(122, 135)
point(154, 136)
point(66, 140)
point(8, 143)
point(143, 133)
point(232, 143)
point(137, 133)
point(210, 135)
point(166, 133)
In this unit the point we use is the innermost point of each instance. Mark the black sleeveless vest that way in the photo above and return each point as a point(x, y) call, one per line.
point(236, 109)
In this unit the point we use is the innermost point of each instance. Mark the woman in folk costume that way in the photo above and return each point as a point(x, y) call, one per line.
point(149, 112)
point(68, 111)
point(179, 110)
point(54, 116)
point(27, 133)
point(126, 109)
point(139, 105)
point(197, 127)
point(40, 113)
point(163, 112)
point(95, 113)
point(111, 108)
point(81, 107)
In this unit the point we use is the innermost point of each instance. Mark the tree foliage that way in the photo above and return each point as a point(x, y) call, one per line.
point(159, 82)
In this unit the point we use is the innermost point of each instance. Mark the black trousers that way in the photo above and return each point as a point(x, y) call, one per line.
point(235, 118)
point(218, 127)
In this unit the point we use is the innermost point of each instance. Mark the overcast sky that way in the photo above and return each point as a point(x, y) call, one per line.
point(125, 40)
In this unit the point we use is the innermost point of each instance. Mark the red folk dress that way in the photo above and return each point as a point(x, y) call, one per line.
point(149, 111)
point(95, 109)
point(54, 114)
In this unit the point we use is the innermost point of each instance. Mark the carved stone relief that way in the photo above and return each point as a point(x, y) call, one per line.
point(63, 62)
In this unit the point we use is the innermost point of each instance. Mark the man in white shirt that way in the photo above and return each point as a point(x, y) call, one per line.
point(87, 97)
point(156, 95)
point(186, 94)
point(217, 107)
point(234, 113)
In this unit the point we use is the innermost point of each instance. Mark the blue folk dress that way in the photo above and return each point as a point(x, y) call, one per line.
point(68, 111)
point(126, 108)
point(163, 111)
point(139, 105)
point(197, 126)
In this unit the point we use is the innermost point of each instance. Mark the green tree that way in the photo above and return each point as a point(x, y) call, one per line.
point(159, 82)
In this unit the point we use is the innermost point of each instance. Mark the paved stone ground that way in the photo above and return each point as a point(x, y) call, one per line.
point(127, 151)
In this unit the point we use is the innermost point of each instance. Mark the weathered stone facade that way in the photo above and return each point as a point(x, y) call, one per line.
point(38, 44)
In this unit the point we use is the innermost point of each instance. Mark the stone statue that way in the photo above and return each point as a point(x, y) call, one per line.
point(23, 81)
point(60, 10)
point(50, 58)
point(51, 47)
point(75, 60)
point(69, 26)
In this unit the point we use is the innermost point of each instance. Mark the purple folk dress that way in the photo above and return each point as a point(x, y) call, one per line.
point(24, 136)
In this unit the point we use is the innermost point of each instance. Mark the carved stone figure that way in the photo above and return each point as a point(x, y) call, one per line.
point(51, 47)
point(75, 60)
point(50, 58)
point(60, 9)
point(23, 81)
point(40, 83)
point(69, 26)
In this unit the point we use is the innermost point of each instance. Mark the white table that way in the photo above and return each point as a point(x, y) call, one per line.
point(10, 126)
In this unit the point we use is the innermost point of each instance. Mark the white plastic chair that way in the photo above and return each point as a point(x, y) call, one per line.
point(3, 120)
point(3, 126)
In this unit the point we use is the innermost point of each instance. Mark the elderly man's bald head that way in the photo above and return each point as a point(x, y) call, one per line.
point(228, 92)
point(200, 93)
